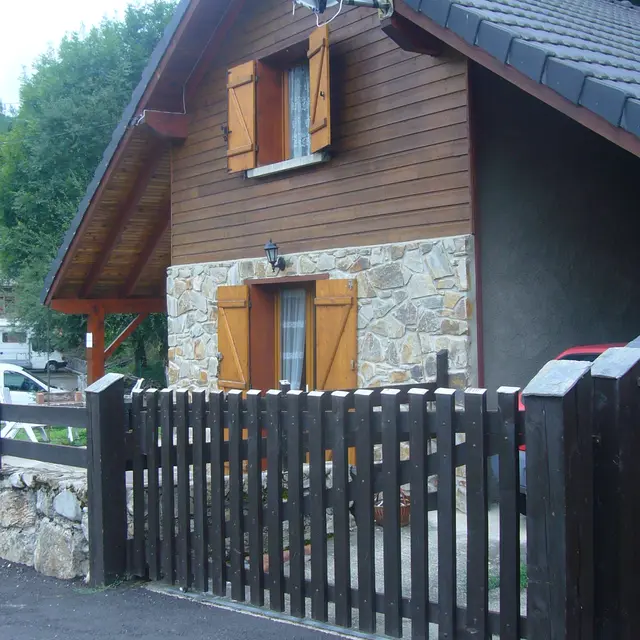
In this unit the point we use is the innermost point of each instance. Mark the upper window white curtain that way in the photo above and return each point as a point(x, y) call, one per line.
point(299, 110)
point(292, 335)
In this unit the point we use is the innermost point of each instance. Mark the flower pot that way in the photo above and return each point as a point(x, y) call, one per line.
point(405, 510)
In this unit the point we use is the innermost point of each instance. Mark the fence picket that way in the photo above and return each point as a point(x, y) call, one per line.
point(274, 500)
point(217, 532)
point(316, 401)
point(509, 516)
point(340, 495)
point(168, 503)
point(153, 493)
point(391, 507)
point(418, 443)
point(200, 527)
point(445, 429)
point(364, 511)
point(295, 497)
point(138, 562)
point(184, 493)
point(477, 515)
point(254, 434)
point(235, 496)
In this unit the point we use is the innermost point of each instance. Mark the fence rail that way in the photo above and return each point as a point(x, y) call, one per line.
point(43, 415)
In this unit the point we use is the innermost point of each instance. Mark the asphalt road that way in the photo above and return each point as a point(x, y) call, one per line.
point(33, 607)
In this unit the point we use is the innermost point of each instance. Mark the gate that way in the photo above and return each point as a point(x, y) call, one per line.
point(266, 509)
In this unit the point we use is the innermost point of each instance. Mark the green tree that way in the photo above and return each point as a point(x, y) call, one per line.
point(69, 107)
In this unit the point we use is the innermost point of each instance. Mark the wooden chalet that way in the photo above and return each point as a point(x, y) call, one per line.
point(457, 175)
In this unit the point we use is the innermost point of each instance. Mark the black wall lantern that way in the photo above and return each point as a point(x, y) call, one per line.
point(271, 249)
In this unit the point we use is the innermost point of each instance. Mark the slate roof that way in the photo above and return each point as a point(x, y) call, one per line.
point(586, 50)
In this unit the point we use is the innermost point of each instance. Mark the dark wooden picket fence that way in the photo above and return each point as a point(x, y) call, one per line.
point(198, 538)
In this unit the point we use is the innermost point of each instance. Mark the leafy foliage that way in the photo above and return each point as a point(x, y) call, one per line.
point(69, 107)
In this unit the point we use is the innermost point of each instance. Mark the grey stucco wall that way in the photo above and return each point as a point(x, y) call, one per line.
point(558, 233)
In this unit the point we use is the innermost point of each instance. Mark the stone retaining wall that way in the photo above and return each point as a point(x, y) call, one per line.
point(43, 520)
point(414, 298)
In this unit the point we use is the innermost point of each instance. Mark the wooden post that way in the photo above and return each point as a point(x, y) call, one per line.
point(106, 480)
point(95, 344)
point(442, 369)
point(617, 492)
point(559, 436)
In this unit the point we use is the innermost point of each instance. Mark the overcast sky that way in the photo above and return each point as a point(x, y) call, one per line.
point(28, 27)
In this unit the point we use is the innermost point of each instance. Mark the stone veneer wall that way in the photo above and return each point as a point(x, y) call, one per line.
point(414, 299)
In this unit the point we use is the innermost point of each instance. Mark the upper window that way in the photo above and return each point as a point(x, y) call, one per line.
point(14, 338)
point(279, 107)
point(298, 106)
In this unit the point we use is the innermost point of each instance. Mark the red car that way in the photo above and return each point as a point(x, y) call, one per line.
point(587, 353)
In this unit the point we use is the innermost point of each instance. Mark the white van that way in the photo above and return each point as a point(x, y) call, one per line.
point(16, 348)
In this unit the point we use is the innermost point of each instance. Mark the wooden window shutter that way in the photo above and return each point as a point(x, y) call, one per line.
point(336, 334)
point(233, 337)
point(241, 125)
point(319, 80)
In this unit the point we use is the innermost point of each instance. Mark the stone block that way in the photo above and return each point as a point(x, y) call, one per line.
point(67, 505)
point(372, 349)
point(421, 285)
point(326, 262)
point(307, 265)
point(411, 351)
point(388, 327)
point(44, 502)
point(365, 290)
point(407, 314)
point(387, 276)
point(362, 263)
point(17, 509)
point(60, 552)
point(17, 545)
point(381, 307)
point(438, 262)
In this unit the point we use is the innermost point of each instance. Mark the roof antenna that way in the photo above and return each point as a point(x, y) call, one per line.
point(385, 7)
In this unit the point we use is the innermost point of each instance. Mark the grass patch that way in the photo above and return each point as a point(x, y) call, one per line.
point(57, 435)
point(494, 578)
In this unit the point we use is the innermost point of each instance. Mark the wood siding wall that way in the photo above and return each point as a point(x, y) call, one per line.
point(400, 169)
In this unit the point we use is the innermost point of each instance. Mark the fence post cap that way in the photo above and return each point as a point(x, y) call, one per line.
point(445, 392)
point(253, 392)
point(416, 391)
point(105, 382)
point(390, 392)
point(557, 378)
point(340, 394)
point(508, 390)
point(474, 391)
point(363, 392)
point(615, 362)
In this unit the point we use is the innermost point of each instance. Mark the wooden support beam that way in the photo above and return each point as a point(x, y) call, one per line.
point(131, 327)
point(205, 63)
point(167, 126)
point(128, 208)
point(410, 37)
point(146, 253)
point(95, 344)
point(123, 305)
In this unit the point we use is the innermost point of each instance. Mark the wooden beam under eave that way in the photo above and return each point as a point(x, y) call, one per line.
point(131, 327)
point(127, 210)
point(410, 37)
point(152, 244)
point(173, 127)
point(111, 305)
